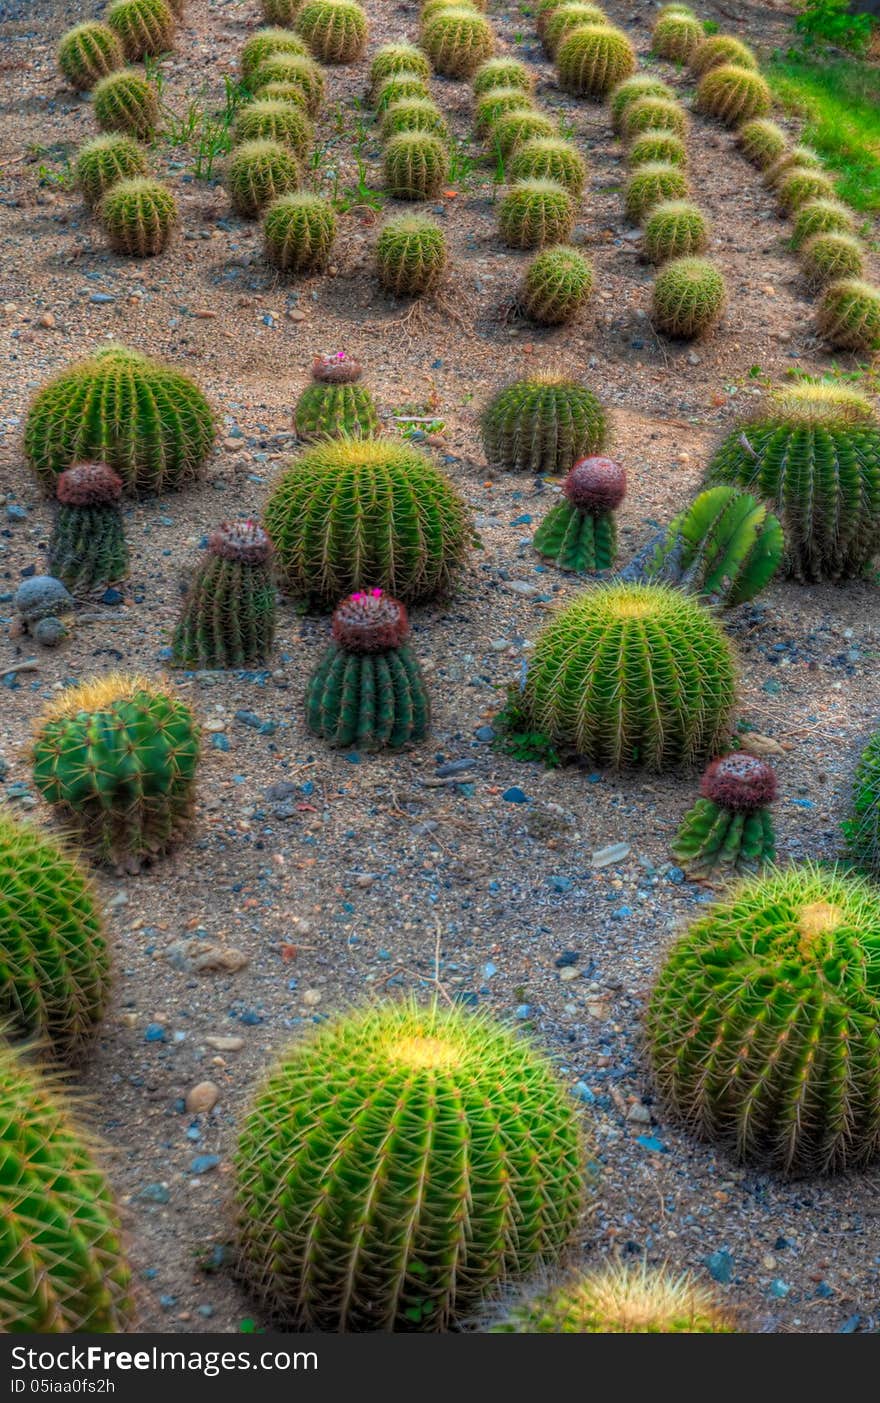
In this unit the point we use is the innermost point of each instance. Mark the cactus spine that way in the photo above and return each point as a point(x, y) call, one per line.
point(228, 619)
point(580, 533)
point(730, 827)
point(88, 546)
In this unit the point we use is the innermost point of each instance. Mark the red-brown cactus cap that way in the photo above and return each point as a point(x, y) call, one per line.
point(88, 485)
point(739, 782)
point(244, 541)
point(370, 621)
point(336, 369)
point(596, 485)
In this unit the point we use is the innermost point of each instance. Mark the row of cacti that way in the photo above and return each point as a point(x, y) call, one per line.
point(132, 30)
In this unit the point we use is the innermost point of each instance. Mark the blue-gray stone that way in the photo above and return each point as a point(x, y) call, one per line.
point(719, 1266)
point(40, 597)
point(514, 795)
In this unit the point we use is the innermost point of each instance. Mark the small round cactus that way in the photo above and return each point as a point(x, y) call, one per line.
point(619, 1300)
point(631, 90)
point(366, 513)
point(400, 87)
point(335, 405)
point(88, 545)
point(414, 114)
point(826, 257)
point(557, 284)
point(652, 114)
point(689, 298)
point(513, 129)
point(144, 27)
point(258, 173)
point(862, 828)
point(267, 119)
point(657, 146)
point(116, 758)
point(368, 691)
point(544, 11)
point(104, 160)
point(821, 217)
point(763, 1023)
point(88, 52)
point(282, 12)
point(677, 37)
point(228, 619)
point(264, 44)
point(674, 229)
point(126, 102)
point(794, 156)
point(415, 165)
point(392, 59)
point(502, 73)
point(762, 142)
point(56, 968)
point(849, 316)
point(411, 255)
point(139, 216)
point(800, 185)
point(536, 212)
point(580, 533)
point(62, 1269)
point(733, 95)
point(358, 1210)
point(495, 103)
point(633, 674)
point(550, 158)
point(457, 41)
point(293, 70)
point(298, 232)
point(722, 49)
point(542, 426)
point(335, 30)
point(651, 185)
point(573, 14)
point(729, 829)
point(593, 59)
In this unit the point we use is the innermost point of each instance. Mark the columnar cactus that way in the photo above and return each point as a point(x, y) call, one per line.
point(828, 257)
point(413, 114)
point(415, 166)
point(580, 533)
point(457, 41)
point(849, 316)
point(651, 185)
point(88, 52)
point(293, 70)
point(632, 90)
point(298, 232)
point(103, 161)
point(365, 513)
point(62, 1269)
point(144, 27)
point(260, 46)
point(149, 423)
point(814, 452)
point(593, 59)
point(689, 298)
point(139, 216)
point(126, 102)
point(763, 1023)
point(733, 95)
point(335, 405)
point(632, 674)
point(657, 146)
point(862, 828)
point(550, 158)
point(674, 229)
point(228, 619)
point(821, 217)
point(368, 691)
point(268, 119)
point(411, 255)
point(502, 73)
point(511, 130)
point(722, 49)
point(730, 828)
point(396, 58)
point(534, 213)
point(56, 969)
point(335, 30)
point(726, 547)
point(542, 426)
point(557, 284)
point(258, 173)
point(618, 1300)
point(88, 546)
point(762, 142)
point(652, 114)
point(357, 1209)
point(677, 37)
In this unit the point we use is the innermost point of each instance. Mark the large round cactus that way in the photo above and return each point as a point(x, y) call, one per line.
point(632, 90)
point(88, 52)
point(144, 27)
point(633, 674)
point(149, 423)
point(677, 37)
point(335, 405)
point(411, 255)
point(228, 619)
point(849, 316)
point(139, 216)
point(550, 158)
point(689, 298)
point(862, 828)
point(457, 40)
point(400, 1166)
point(764, 1025)
point(53, 953)
point(290, 71)
point(351, 514)
point(260, 46)
point(396, 58)
point(125, 102)
point(298, 232)
point(534, 213)
point(117, 759)
point(814, 452)
point(556, 285)
point(258, 173)
point(542, 425)
point(335, 30)
point(593, 59)
point(618, 1300)
point(62, 1269)
point(733, 95)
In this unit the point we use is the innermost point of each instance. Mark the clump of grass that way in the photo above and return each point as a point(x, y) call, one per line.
point(840, 102)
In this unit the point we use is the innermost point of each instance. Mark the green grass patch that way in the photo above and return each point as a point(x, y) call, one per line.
point(839, 100)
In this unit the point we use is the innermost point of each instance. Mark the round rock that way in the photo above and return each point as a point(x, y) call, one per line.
point(41, 597)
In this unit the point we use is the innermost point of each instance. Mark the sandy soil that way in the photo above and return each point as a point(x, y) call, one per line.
point(342, 882)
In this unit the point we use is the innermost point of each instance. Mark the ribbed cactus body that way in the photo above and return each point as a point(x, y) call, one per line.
point(125, 102)
point(534, 213)
point(511, 130)
point(764, 1024)
point(88, 52)
point(815, 454)
point(457, 41)
point(761, 141)
point(392, 59)
point(550, 158)
point(651, 185)
point(827, 257)
point(632, 90)
point(674, 229)
point(335, 30)
point(144, 27)
point(413, 114)
point(260, 46)
point(633, 675)
point(117, 759)
point(335, 411)
point(733, 95)
point(502, 73)
point(139, 216)
point(722, 49)
point(105, 160)
point(399, 1167)
point(542, 426)
point(677, 37)
point(54, 965)
point(618, 1300)
point(653, 114)
point(576, 540)
point(415, 165)
point(259, 172)
point(862, 828)
point(269, 119)
point(148, 422)
point(563, 19)
point(62, 1269)
point(556, 285)
point(593, 59)
point(298, 232)
point(849, 315)
point(293, 70)
point(228, 620)
point(88, 546)
point(371, 702)
point(725, 547)
point(821, 217)
point(689, 298)
point(713, 839)
point(411, 255)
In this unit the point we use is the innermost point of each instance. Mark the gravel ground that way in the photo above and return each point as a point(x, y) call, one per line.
point(318, 879)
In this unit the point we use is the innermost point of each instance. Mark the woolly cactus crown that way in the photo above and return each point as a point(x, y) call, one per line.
point(370, 621)
point(619, 1300)
point(815, 404)
point(337, 368)
point(740, 782)
point(244, 541)
point(596, 484)
point(88, 485)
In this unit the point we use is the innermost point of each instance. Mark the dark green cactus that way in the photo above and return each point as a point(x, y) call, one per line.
point(416, 164)
point(580, 533)
point(88, 52)
point(729, 829)
point(862, 828)
point(368, 691)
point(53, 955)
point(88, 546)
point(359, 1211)
point(117, 759)
point(764, 1025)
point(618, 1300)
point(228, 620)
point(542, 425)
point(62, 1268)
point(814, 453)
point(335, 405)
point(105, 160)
point(149, 423)
point(411, 255)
